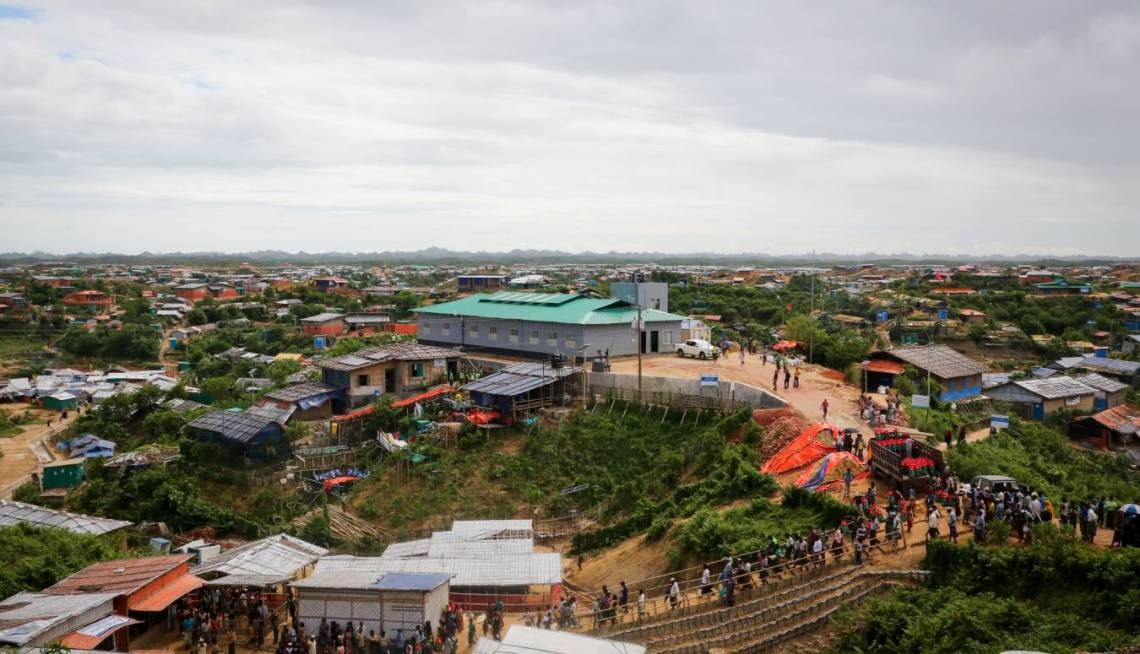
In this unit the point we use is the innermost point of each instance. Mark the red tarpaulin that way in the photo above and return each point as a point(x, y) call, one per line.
point(483, 417)
point(359, 413)
point(330, 484)
point(435, 392)
point(812, 444)
point(783, 346)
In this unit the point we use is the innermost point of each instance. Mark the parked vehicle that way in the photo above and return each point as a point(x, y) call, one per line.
point(887, 463)
point(994, 483)
point(698, 348)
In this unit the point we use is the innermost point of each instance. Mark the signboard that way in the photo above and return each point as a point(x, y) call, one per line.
point(439, 363)
point(943, 314)
point(920, 401)
point(1072, 401)
point(319, 342)
point(882, 316)
point(710, 380)
point(999, 422)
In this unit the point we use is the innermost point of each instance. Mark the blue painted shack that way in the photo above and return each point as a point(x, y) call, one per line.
point(959, 376)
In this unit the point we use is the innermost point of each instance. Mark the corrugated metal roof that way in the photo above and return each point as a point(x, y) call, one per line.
point(1055, 387)
point(409, 581)
point(13, 513)
point(119, 576)
point(249, 580)
point(340, 579)
point(520, 378)
point(1101, 383)
point(275, 555)
point(516, 570)
point(1113, 366)
point(394, 352)
point(38, 618)
point(235, 426)
point(940, 360)
point(521, 639)
point(323, 317)
point(547, 307)
point(301, 391)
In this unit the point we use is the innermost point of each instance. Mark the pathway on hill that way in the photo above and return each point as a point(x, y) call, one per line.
point(816, 383)
point(25, 452)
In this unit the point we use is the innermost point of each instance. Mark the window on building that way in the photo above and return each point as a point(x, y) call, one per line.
point(446, 331)
point(427, 327)
point(362, 380)
point(571, 343)
point(474, 329)
point(534, 337)
point(552, 338)
point(655, 303)
point(493, 333)
point(667, 338)
point(513, 335)
point(417, 369)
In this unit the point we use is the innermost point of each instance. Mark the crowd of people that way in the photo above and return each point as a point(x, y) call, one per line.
point(211, 621)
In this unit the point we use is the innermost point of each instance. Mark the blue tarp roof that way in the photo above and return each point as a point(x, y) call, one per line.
point(411, 581)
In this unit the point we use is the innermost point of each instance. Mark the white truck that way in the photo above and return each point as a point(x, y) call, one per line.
point(699, 348)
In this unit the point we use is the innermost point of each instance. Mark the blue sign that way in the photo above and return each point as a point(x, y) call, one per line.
point(943, 314)
point(709, 380)
point(999, 422)
point(882, 316)
point(319, 342)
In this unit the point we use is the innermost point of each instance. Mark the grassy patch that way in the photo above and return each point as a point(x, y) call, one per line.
point(1044, 458)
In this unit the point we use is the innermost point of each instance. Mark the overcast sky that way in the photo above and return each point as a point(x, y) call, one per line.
point(776, 127)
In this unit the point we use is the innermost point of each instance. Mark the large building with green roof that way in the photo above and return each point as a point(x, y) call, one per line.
point(541, 324)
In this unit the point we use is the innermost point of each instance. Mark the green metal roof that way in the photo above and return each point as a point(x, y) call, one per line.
point(566, 308)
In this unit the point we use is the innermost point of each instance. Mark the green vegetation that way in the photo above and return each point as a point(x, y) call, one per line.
point(37, 557)
point(712, 534)
point(632, 468)
point(131, 343)
point(10, 423)
point(1044, 458)
point(1056, 595)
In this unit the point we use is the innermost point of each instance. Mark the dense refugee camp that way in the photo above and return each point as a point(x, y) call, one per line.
point(521, 327)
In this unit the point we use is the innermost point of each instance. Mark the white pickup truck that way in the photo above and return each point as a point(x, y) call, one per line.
point(698, 348)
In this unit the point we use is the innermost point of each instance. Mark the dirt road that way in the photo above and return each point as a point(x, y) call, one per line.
point(25, 452)
point(816, 383)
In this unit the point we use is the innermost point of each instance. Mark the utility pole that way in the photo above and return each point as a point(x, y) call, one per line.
point(637, 300)
point(811, 341)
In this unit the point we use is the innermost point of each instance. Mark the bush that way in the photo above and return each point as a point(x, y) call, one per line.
point(37, 557)
point(658, 529)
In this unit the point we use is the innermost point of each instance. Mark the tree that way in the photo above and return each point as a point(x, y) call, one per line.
point(196, 317)
point(405, 301)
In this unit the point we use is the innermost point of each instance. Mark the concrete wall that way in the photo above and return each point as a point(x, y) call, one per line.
point(533, 339)
point(740, 393)
point(650, 295)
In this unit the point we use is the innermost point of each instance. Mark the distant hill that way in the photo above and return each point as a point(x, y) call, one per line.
point(435, 256)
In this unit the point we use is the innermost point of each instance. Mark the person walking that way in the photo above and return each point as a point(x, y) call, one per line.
point(848, 477)
point(706, 581)
point(796, 378)
point(742, 355)
point(932, 524)
point(949, 438)
point(787, 378)
point(823, 407)
point(674, 593)
point(775, 380)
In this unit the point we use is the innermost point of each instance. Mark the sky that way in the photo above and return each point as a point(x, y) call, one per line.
point(941, 127)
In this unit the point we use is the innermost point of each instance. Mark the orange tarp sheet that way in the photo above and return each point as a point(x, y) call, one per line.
point(879, 365)
point(435, 392)
point(812, 444)
point(167, 595)
point(785, 345)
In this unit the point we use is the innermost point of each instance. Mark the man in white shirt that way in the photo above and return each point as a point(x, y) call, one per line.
point(932, 520)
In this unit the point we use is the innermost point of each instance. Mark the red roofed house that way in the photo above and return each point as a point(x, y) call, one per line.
point(96, 301)
point(972, 316)
point(143, 590)
point(193, 291)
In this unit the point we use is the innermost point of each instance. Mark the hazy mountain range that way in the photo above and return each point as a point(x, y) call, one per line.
point(434, 255)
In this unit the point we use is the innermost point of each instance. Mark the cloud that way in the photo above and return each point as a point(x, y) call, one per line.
point(775, 127)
